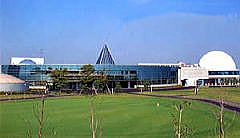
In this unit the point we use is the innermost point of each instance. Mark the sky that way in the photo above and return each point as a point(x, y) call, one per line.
point(136, 31)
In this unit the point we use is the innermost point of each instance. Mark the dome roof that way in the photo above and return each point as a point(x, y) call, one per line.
point(218, 61)
point(4, 78)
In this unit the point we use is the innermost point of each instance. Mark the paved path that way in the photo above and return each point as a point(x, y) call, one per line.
point(227, 105)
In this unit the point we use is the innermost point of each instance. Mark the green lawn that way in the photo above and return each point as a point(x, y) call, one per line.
point(228, 94)
point(172, 92)
point(121, 116)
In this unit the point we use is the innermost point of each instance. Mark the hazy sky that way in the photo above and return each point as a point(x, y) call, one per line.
point(156, 31)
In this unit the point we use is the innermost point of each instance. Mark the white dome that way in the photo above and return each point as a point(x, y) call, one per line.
point(217, 61)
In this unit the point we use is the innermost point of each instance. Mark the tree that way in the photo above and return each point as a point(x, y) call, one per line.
point(98, 85)
point(93, 81)
point(94, 119)
point(59, 79)
point(41, 117)
point(117, 86)
point(87, 77)
point(104, 81)
point(220, 119)
point(39, 112)
point(146, 84)
point(101, 82)
point(180, 128)
point(87, 69)
point(196, 90)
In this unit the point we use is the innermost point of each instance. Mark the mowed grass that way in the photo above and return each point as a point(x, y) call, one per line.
point(227, 93)
point(182, 92)
point(121, 116)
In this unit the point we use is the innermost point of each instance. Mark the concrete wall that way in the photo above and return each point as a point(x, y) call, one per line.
point(193, 73)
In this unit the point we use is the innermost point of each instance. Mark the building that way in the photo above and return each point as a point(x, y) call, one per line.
point(222, 70)
point(129, 76)
point(215, 69)
point(192, 75)
point(9, 83)
point(26, 61)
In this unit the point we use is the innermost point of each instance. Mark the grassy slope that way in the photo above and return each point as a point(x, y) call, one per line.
point(172, 92)
point(122, 116)
point(229, 94)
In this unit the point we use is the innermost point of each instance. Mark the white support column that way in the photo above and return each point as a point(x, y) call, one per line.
point(112, 91)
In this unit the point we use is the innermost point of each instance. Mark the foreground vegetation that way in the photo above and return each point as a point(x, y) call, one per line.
point(120, 116)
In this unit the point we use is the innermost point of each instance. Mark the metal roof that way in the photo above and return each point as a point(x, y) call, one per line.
point(4, 78)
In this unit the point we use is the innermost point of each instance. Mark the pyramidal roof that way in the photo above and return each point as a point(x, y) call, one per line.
point(105, 56)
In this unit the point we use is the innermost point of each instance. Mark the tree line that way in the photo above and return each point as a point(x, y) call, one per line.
point(90, 80)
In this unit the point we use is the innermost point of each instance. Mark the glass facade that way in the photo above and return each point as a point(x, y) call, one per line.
point(123, 73)
point(224, 73)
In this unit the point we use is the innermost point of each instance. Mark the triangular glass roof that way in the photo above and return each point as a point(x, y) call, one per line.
point(105, 56)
